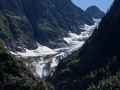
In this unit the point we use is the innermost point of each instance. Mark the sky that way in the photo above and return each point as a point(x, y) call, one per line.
point(103, 5)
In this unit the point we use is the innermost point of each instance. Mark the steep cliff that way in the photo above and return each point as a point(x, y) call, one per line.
point(96, 65)
point(52, 19)
point(95, 12)
point(47, 21)
point(15, 28)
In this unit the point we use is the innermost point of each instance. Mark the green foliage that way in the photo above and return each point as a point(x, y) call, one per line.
point(3, 26)
point(19, 27)
point(17, 17)
point(67, 69)
point(44, 27)
point(1, 42)
point(16, 76)
point(73, 62)
point(99, 65)
point(110, 83)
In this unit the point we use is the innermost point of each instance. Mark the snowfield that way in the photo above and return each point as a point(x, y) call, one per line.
point(40, 51)
point(42, 67)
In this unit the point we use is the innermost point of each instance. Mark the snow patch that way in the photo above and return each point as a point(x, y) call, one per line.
point(97, 20)
point(40, 51)
point(74, 41)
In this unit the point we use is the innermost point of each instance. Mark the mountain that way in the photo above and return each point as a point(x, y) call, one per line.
point(16, 76)
point(95, 12)
point(15, 28)
point(23, 22)
point(95, 66)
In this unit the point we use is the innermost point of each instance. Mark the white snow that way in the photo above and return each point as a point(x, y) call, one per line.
point(87, 27)
point(40, 51)
point(54, 62)
point(96, 20)
point(74, 41)
point(13, 53)
point(39, 67)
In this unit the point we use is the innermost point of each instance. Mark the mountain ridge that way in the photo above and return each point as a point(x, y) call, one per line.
point(95, 12)
point(25, 22)
point(95, 66)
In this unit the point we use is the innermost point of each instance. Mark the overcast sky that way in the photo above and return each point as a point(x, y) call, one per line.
point(103, 5)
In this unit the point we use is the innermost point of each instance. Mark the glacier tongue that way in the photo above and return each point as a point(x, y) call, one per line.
point(97, 20)
point(43, 60)
point(76, 41)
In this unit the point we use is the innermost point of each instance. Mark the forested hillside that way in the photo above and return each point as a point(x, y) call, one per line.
point(16, 76)
point(96, 66)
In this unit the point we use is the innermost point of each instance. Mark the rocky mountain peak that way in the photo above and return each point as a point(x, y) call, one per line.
point(95, 12)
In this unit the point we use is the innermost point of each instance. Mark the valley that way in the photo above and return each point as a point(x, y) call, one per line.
point(43, 61)
point(56, 45)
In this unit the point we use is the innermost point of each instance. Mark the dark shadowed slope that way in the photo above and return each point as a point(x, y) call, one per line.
point(16, 76)
point(95, 12)
point(52, 19)
point(47, 21)
point(96, 65)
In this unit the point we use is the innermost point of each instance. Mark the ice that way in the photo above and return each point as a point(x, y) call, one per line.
point(97, 20)
point(29, 53)
point(87, 27)
point(54, 62)
point(74, 41)
point(39, 68)
point(45, 50)
point(40, 51)
point(13, 53)
point(38, 64)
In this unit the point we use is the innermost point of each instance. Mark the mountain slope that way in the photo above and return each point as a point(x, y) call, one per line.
point(16, 76)
point(95, 12)
point(96, 65)
point(47, 21)
point(52, 19)
point(15, 28)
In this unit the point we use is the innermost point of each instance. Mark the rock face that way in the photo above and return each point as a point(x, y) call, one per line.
point(95, 12)
point(97, 63)
point(17, 74)
point(15, 28)
point(46, 21)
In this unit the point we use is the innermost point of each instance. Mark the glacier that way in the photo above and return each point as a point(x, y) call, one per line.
point(43, 60)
